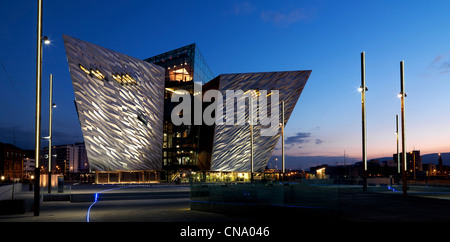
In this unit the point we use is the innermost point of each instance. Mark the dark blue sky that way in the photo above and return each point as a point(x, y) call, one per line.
point(325, 36)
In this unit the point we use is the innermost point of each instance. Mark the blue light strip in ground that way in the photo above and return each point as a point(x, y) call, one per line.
point(89, 209)
point(391, 188)
point(96, 199)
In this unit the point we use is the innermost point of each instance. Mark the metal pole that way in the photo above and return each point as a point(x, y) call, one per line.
point(283, 168)
point(38, 110)
point(49, 184)
point(414, 164)
point(402, 88)
point(363, 111)
point(398, 155)
point(251, 137)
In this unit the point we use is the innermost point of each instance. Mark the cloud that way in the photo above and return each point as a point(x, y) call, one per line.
point(278, 18)
point(446, 65)
point(441, 64)
point(319, 141)
point(299, 138)
point(243, 8)
point(436, 60)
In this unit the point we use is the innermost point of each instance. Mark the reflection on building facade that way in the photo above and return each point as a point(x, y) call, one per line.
point(119, 100)
point(230, 150)
point(124, 107)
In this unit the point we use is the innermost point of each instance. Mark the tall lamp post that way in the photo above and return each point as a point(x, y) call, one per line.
point(283, 168)
point(38, 110)
point(37, 140)
point(363, 90)
point(50, 118)
point(403, 95)
point(251, 135)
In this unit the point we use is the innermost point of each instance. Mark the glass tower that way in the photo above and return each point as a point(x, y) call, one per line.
point(183, 67)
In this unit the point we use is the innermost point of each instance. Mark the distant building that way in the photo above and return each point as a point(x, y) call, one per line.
point(442, 170)
point(321, 171)
point(413, 158)
point(29, 164)
point(389, 163)
point(429, 169)
point(11, 161)
point(70, 160)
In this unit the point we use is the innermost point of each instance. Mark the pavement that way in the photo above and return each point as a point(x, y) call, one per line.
point(122, 203)
point(171, 203)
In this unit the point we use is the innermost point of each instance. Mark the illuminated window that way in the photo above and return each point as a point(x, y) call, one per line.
point(124, 79)
point(97, 74)
point(85, 70)
point(180, 74)
point(92, 72)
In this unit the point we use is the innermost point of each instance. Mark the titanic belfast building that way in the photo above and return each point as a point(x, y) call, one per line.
point(125, 109)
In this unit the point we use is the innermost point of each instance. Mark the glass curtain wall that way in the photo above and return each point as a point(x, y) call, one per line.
point(183, 66)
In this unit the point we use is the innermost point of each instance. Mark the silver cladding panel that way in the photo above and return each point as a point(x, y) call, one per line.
point(108, 112)
point(231, 148)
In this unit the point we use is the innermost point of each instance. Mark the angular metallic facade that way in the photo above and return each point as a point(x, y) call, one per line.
point(123, 114)
point(231, 143)
point(120, 104)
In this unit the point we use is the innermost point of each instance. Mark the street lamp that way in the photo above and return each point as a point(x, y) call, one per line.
point(46, 40)
point(283, 168)
point(51, 106)
point(403, 95)
point(363, 90)
point(37, 140)
point(251, 136)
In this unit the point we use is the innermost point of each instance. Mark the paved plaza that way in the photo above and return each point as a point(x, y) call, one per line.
point(171, 203)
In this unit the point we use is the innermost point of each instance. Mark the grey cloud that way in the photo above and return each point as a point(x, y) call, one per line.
point(299, 138)
point(319, 141)
point(441, 64)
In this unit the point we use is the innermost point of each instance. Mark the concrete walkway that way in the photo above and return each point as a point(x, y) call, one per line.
point(170, 203)
point(124, 203)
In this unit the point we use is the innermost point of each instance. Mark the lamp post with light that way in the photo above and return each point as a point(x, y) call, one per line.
point(37, 140)
point(402, 96)
point(251, 136)
point(49, 137)
point(363, 90)
point(283, 162)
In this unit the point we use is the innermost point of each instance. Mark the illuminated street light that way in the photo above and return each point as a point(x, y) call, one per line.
point(403, 95)
point(40, 41)
point(363, 89)
point(46, 40)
